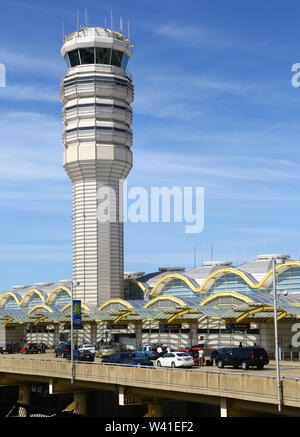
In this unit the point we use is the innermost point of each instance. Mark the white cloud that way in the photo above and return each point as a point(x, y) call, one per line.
point(25, 92)
point(31, 147)
point(15, 60)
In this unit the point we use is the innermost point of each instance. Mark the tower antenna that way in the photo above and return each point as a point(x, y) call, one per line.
point(121, 25)
point(128, 26)
point(111, 20)
point(77, 20)
point(86, 18)
point(63, 29)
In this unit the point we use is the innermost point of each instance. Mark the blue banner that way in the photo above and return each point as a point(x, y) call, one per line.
point(77, 313)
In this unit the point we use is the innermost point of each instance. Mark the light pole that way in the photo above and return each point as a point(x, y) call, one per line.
point(279, 399)
point(73, 283)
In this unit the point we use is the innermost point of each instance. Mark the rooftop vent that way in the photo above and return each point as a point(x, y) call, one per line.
point(280, 258)
point(217, 263)
point(128, 275)
point(171, 269)
point(65, 281)
point(18, 287)
point(43, 284)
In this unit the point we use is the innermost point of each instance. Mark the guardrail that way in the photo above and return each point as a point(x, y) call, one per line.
point(156, 368)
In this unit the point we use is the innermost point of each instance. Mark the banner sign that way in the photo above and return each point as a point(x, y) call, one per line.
point(238, 326)
point(77, 314)
point(109, 326)
point(169, 326)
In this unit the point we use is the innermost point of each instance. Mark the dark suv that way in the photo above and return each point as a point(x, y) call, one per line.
point(242, 356)
point(62, 350)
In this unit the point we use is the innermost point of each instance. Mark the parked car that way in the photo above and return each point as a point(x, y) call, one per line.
point(105, 351)
point(175, 359)
point(62, 349)
point(42, 347)
point(146, 352)
point(80, 355)
point(242, 357)
point(134, 361)
point(117, 358)
point(193, 353)
point(8, 348)
point(87, 347)
point(29, 348)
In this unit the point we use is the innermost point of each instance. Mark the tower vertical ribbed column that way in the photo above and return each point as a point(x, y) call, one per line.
point(96, 92)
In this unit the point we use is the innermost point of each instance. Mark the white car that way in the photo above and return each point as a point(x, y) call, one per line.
point(175, 359)
point(87, 347)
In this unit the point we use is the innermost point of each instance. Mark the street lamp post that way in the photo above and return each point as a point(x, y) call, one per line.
point(279, 400)
point(73, 283)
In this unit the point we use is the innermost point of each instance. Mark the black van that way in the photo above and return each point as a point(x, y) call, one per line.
point(242, 356)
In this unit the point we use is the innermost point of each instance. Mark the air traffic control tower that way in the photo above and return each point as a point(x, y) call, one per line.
point(96, 92)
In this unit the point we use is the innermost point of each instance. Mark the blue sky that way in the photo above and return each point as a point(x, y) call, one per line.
point(214, 107)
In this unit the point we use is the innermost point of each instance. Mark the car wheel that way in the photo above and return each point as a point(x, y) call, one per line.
point(173, 364)
point(244, 365)
point(158, 364)
point(220, 364)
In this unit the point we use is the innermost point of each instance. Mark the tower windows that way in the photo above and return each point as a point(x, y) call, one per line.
point(124, 62)
point(87, 56)
point(116, 58)
point(102, 55)
point(74, 58)
point(98, 55)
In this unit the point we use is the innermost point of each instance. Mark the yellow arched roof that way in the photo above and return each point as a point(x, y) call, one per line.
point(167, 278)
point(122, 316)
point(216, 274)
point(172, 298)
point(45, 307)
point(9, 293)
point(138, 283)
point(27, 295)
point(121, 301)
point(55, 292)
point(214, 296)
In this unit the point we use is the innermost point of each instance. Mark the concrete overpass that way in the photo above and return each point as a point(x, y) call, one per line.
point(237, 393)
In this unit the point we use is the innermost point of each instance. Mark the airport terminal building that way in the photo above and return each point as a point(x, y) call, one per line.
point(217, 305)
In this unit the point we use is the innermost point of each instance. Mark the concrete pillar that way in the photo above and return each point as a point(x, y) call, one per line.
point(80, 403)
point(193, 333)
point(93, 333)
point(154, 409)
point(24, 398)
point(223, 407)
point(138, 334)
point(56, 335)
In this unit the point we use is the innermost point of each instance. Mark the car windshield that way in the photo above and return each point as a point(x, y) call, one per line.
point(182, 354)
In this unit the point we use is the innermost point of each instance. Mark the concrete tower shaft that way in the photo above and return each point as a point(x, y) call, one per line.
point(96, 92)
